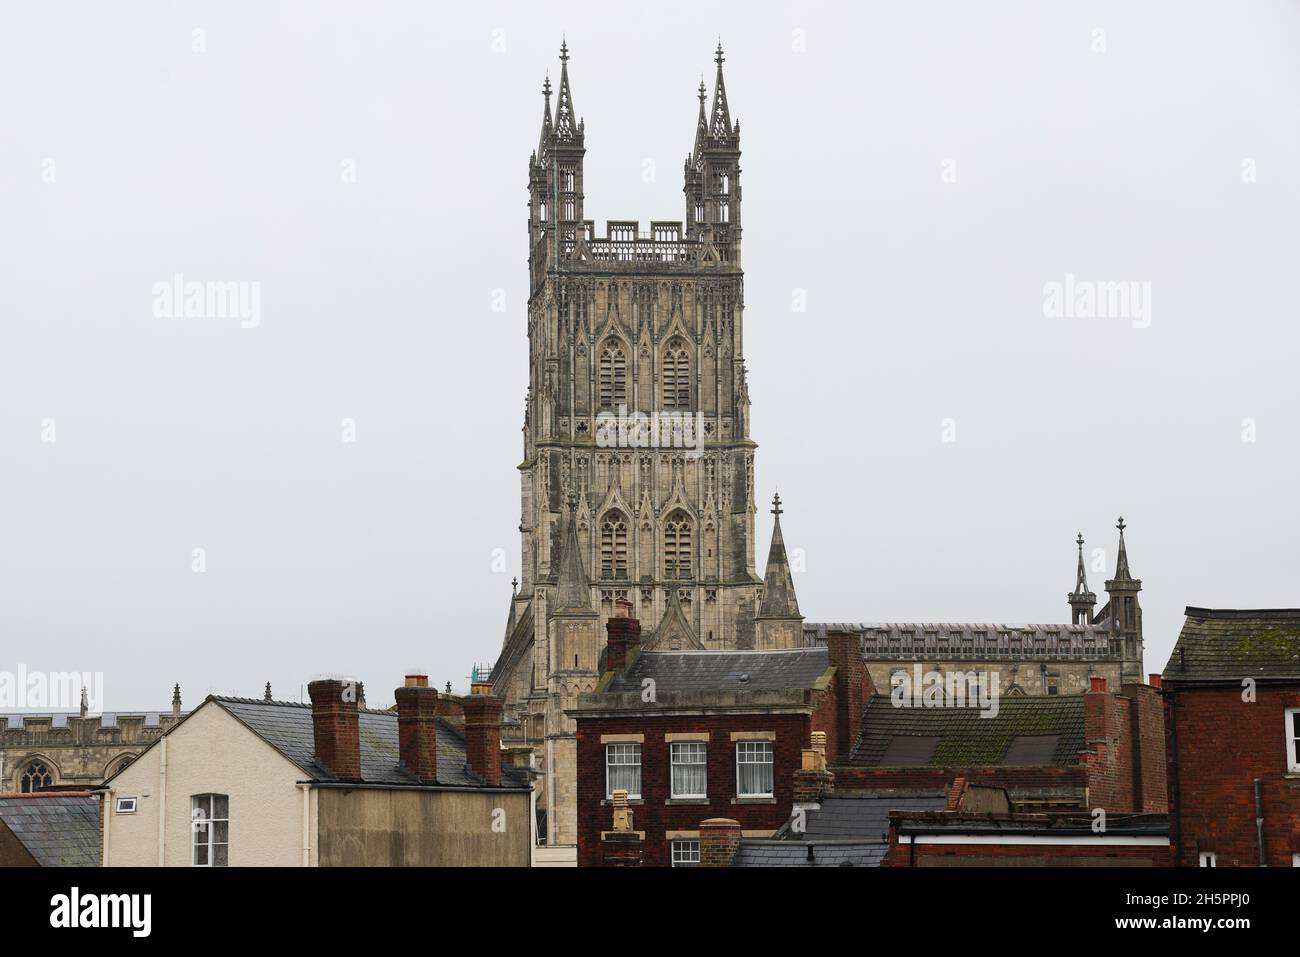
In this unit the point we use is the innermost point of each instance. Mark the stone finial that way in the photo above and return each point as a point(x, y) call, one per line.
point(267, 695)
point(622, 813)
point(85, 702)
point(176, 701)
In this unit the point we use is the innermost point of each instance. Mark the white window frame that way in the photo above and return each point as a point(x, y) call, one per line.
point(1295, 859)
point(209, 824)
point(1292, 716)
point(124, 805)
point(1208, 859)
point(689, 746)
point(624, 748)
point(685, 853)
point(755, 747)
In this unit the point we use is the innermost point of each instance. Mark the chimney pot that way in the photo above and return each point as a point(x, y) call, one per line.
point(416, 681)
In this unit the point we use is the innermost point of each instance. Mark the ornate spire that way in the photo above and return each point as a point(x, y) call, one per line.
point(701, 125)
point(547, 128)
point(573, 590)
point(567, 126)
point(176, 701)
point(1121, 563)
point(720, 127)
point(267, 695)
point(1081, 578)
point(779, 600)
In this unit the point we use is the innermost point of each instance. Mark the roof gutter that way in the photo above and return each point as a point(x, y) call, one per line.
point(371, 786)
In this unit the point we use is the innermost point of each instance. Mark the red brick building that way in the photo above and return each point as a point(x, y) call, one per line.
point(698, 735)
point(1232, 702)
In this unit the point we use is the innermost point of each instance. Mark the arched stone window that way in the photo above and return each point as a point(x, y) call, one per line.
point(35, 776)
point(676, 375)
point(613, 375)
point(677, 545)
point(613, 545)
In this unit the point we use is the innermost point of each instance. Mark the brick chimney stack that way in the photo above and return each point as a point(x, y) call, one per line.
point(483, 736)
point(1153, 679)
point(336, 728)
point(852, 689)
point(417, 727)
point(1097, 705)
point(719, 841)
point(624, 635)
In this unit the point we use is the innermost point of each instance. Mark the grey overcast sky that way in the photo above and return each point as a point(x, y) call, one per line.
point(915, 173)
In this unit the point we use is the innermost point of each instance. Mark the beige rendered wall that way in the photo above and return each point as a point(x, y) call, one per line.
point(373, 827)
point(210, 752)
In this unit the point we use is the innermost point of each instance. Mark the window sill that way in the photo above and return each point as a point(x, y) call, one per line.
point(692, 800)
point(754, 800)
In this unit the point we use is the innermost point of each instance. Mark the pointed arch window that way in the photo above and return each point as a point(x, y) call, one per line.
point(613, 375)
point(613, 545)
point(677, 375)
point(35, 776)
point(677, 545)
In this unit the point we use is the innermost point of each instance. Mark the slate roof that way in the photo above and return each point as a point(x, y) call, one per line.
point(753, 853)
point(860, 815)
point(962, 738)
point(287, 727)
point(1232, 644)
point(60, 829)
point(724, 670)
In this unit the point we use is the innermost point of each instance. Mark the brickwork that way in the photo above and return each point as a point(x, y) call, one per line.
point(656, 812)
point(1218, 746)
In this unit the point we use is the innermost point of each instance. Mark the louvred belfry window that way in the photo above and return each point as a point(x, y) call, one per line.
point(677, 545)
point(677, 375)
point(613, 375)
point(613, 546)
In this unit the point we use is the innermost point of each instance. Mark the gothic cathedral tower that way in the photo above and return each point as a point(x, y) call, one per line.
point(637, 403)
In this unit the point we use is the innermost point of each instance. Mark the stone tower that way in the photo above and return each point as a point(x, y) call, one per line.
point(637, 402)
point(1124, 612)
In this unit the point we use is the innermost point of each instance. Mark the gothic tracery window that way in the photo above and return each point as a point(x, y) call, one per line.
point(677, 545)
point(613, 375)
point(677, 375)
point(613, 545)
point(34, 777)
